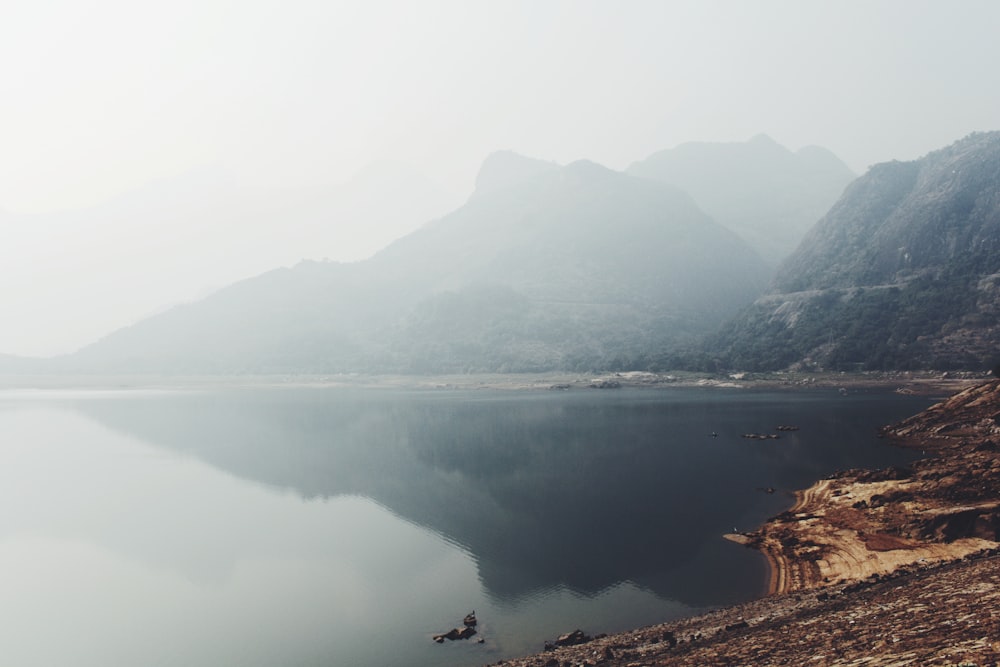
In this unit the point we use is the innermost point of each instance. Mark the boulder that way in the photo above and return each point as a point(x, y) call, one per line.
point(572, 638)
point(456, 633)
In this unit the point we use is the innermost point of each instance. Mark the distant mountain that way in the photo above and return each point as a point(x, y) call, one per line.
point(14, 365)
point(504, 169)
point(92, 271)
point(759, 189)
point(903, 272)
point(577, 267)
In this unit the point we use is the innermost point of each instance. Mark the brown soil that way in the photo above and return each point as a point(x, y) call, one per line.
point(941, 614)
point(861, 523)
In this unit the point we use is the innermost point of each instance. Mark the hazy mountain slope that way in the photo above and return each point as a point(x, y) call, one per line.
point(280, 321)
point(597, 267)
point(504, 169)
point(92, 271)
point(903, 272)
point(575, 267)
point(764, 192)
point(10, 364)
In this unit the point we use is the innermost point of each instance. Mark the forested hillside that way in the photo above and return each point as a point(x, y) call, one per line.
point(903, 272)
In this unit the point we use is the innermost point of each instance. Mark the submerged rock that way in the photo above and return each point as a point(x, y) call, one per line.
point(467, 630)
point(456, 633)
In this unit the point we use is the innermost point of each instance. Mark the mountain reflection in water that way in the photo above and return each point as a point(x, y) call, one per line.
point(582, 490)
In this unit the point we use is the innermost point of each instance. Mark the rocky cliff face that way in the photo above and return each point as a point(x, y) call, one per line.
point(903, 272)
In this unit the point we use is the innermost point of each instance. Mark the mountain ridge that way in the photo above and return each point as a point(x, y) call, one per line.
point(502, 169)
point(902, 273)
point(764, 192)
point(579, 266)
point(94, 270)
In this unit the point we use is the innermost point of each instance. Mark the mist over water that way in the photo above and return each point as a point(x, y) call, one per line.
point(340, 526)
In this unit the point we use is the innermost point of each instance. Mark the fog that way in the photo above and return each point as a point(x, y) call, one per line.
point(154, 152)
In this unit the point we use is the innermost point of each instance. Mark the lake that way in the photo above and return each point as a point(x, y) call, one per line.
point(334, 526)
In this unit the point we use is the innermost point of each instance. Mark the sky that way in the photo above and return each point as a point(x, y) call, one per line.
point(104, 98)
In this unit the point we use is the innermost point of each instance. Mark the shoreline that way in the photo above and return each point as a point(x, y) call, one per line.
point(813, 545)
point(915, 382)
point(884, 561)
point(904, 618)
point(862, 523)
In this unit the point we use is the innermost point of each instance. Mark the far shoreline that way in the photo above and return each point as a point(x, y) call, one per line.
point(931, 383)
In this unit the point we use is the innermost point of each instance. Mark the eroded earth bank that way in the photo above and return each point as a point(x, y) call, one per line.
point(889, 567)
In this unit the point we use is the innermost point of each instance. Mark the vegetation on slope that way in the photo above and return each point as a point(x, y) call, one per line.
point(902, 273)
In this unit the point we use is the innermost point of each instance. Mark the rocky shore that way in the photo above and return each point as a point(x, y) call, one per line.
point(861, 523)
point(889, 567)
point(929, 614)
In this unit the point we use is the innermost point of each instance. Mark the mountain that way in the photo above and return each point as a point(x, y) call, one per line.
point(903, 272)
point(504, 169)
point(178, 239)
point(14, 365)
point(576, 267)
point(767, 194)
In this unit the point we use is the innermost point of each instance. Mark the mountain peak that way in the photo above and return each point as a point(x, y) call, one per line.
point(587, 169)
point(577, 267)
point(758, 188)
point(763, 139)
point(504, 169)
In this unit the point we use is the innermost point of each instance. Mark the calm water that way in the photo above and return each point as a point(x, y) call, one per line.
point(345, 527)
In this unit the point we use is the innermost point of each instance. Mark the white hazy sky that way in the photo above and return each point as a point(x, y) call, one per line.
point(101, 97)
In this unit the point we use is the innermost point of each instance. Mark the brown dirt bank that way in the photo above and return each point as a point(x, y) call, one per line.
point(860, 522)
point(941, 614)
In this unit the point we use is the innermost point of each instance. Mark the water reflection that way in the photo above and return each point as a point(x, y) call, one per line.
point(575, 492)
point(114, 552)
